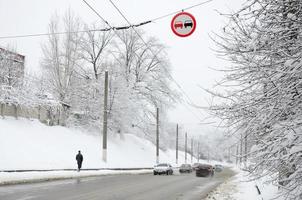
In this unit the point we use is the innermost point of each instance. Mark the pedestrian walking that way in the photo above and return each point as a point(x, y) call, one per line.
point(79, 159)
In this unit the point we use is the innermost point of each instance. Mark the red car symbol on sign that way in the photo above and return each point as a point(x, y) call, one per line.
point(178, 25)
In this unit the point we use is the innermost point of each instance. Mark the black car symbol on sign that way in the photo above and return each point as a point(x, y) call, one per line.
point(188, 23)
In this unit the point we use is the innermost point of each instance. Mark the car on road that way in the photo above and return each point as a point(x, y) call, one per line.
point(218, 168)
point(163, 168)
point(185, 168)
point(204, 170)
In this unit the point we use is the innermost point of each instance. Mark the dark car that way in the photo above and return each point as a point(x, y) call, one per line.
point(204, 170)
point(185, 168)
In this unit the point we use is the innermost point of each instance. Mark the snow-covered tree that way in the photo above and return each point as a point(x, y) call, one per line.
point(146, 71)
point(262, 89)
point(138, 75)
point(61, 55)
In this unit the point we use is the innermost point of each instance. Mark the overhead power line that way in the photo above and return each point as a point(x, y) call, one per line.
point(104, 29)
point(74, 32)
point(175, 12)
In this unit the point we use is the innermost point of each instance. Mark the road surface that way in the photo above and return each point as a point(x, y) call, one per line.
point(118, 187)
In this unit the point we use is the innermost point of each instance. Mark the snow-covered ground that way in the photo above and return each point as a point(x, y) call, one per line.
point(239, 188)
point(28, 144)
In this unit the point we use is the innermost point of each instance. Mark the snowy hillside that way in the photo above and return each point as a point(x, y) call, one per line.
point(27, 144)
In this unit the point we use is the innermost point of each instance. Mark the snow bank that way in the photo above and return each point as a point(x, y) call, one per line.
point(238, 188)
point(29, 144)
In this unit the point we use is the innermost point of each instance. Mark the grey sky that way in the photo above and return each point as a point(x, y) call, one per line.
point(190, 57)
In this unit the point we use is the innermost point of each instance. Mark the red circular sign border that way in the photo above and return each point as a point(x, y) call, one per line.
point(193, 29)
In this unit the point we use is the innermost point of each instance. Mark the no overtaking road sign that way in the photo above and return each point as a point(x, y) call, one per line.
point(183, 24)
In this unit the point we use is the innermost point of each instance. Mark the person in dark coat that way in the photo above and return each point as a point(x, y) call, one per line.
point(79, 159)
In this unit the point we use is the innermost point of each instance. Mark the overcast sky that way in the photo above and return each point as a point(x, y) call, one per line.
point(191, 57)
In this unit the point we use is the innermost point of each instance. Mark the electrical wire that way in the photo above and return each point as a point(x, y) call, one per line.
point(74, 32)
point(175, 12)
point(106, 29)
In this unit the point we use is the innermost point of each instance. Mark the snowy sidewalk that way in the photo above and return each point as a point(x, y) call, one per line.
point(28, 177)
point(238, 188)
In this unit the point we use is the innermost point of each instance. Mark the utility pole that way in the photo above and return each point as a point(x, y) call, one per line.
point(176, 143)
point(208, 156)
point(192, 150)
point(198, 152)
point(241, 143)
point(245, 148)
point(105, 118)
point(237, 149)
point(157, 136)
point(186, 148)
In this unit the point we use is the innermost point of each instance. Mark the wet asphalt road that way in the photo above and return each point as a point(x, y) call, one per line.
point(118, 187)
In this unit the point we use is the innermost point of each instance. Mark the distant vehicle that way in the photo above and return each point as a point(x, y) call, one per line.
point(204, 170)
point(188, 23)
point(163, 168)
point(218, 168)
point(185, 168)
point(194, 166)
point(178, 24)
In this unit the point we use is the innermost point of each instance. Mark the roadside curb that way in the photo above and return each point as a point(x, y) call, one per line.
point(88, 169)
point(73, 176)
